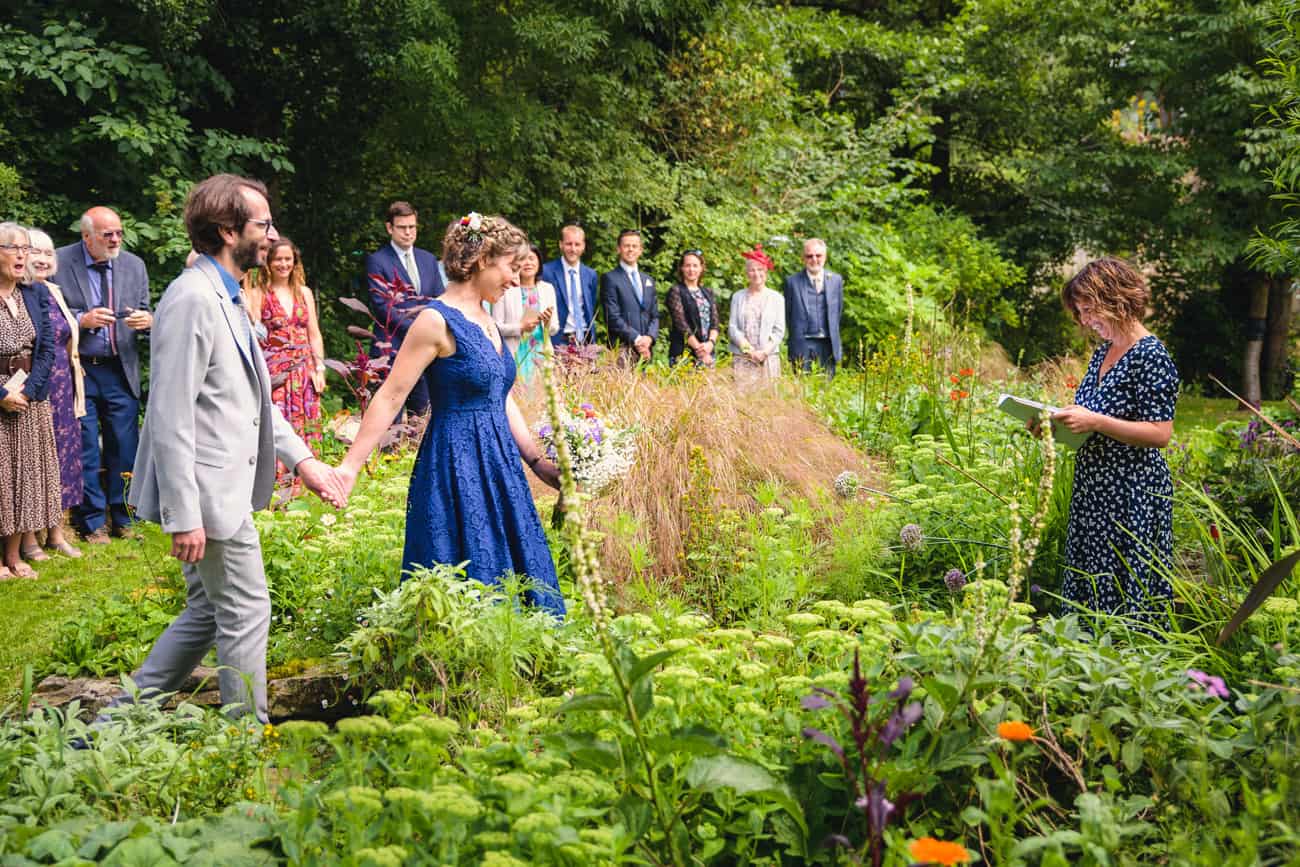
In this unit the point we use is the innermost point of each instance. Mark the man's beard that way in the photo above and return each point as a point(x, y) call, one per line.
point(247, 254)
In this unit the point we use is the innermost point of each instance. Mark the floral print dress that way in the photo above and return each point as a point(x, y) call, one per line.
point(1119, 542)
point(290, 362)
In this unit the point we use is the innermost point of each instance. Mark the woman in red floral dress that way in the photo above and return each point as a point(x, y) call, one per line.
point(281, 303)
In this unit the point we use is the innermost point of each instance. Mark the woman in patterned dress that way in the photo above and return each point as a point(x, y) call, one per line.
point(525, 316)
point(67, 396)
point(295, 352)
point(694, 312)
point(29, 463)
point(1119, 541)
point(757, 324)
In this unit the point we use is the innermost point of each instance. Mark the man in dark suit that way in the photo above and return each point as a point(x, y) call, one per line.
point(401, 278)
point(631, 305)
point(107, 290)
point(814, 302)
point(575, 288)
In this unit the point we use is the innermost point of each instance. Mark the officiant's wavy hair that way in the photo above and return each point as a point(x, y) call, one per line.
point(1112, 287)
point(465, 251)
point(215, 204)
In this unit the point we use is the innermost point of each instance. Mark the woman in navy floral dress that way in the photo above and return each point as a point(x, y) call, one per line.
point(1119, 542)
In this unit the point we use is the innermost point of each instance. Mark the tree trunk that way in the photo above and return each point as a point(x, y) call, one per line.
point(1277, 338)
point(941, 154)
point(1255, 328)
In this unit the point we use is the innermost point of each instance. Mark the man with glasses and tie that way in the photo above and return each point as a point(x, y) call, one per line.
point(631, 305)
point(107, 290)
point(575, 289)
point(814, 302)
point(401, 278)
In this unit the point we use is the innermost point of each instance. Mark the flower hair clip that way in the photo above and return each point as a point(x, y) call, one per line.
point(473, 222)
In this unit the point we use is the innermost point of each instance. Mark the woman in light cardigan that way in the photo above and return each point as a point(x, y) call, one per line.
point(525, 316)
point(67, 397)
point(757, 324)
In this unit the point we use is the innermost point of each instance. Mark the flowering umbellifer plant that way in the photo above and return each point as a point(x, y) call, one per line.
point(875, 723)
point(601, 453)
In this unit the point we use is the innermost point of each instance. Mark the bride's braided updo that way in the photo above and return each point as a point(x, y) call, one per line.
point(474, 239)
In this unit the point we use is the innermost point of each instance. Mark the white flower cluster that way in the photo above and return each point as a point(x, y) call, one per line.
point(602, 453)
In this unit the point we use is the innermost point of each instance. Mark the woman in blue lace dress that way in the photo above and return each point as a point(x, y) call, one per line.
point(1119, 541)
point(469, 499)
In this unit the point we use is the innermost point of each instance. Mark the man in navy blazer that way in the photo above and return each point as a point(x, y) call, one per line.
point(814, 303)
point(575, 288)
point(107, 290)
point(401, 278)
point(631, 305)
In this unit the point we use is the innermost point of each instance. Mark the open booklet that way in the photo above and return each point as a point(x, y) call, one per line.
point(1025, 409)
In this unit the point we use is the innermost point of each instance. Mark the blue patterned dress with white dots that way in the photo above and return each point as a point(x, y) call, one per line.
point(1119, 542)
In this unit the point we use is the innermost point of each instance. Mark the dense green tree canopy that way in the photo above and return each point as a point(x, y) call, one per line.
point(965, 148)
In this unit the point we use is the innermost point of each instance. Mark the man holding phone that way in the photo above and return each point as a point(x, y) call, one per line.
point(107, 290)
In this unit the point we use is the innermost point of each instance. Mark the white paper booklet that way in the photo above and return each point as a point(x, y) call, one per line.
point(1025, 409)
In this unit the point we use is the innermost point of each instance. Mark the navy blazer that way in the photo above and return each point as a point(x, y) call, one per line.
point(629, 311)
point(553, 273)
point(796, 313)
point(36, 298)
point(392, 304)
point(130, 289)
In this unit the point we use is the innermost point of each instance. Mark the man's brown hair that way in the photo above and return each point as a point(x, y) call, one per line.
point(215, 204)
point(400, 209)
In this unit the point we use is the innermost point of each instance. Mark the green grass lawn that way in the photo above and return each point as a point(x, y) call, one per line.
point(31, 611)
point(1195, 411)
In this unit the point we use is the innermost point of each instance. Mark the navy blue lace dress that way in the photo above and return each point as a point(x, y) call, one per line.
point(469, 499)
point(1120, 536)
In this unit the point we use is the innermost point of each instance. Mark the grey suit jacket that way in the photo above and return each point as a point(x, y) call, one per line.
point(796, 313)
point(130, 289)
point(211, 434)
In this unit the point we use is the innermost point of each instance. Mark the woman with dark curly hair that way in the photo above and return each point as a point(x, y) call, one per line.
point(1119, 541)
point(469, 500)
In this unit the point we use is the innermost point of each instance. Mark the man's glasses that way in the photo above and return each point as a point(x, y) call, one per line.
point(16, 248)
point(265, 224)
point(111, 234)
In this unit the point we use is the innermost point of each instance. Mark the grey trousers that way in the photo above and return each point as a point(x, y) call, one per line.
point(228, 605)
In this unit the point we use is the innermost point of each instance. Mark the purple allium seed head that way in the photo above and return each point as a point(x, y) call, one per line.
point(955, 580)
point(912, 537)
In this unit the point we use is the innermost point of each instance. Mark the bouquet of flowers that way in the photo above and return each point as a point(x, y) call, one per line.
point(602, 453)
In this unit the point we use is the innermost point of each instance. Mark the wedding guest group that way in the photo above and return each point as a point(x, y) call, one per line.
point(29, 462)
point(401, 277)
point(107, 289)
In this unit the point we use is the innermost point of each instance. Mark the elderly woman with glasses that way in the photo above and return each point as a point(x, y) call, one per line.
point(757, 323)
point(67, 395)
point(694, 313)
point(29, 462)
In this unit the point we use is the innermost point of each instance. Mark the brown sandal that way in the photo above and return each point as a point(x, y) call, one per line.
point(66, 549)
point(33, 553)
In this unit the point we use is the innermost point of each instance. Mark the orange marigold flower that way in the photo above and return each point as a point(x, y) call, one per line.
point(928, 850)
point(1015, 730)
point(967, 371)
point(953, 379)
point(1071, 382)
point(955, 394)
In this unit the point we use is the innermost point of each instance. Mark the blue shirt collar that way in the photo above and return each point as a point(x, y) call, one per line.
point(90, 260)
point(231, 284)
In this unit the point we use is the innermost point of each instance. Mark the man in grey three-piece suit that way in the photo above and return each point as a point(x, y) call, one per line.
point(208, 449)
point(814, 303)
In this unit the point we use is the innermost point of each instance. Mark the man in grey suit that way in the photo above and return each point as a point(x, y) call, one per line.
point(814, 302)
point(107, 290)
point(208, 449)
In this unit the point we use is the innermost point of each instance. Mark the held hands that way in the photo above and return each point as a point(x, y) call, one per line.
point(324, 481)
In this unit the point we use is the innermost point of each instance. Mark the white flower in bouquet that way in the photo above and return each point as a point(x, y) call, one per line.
point(602, 453)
